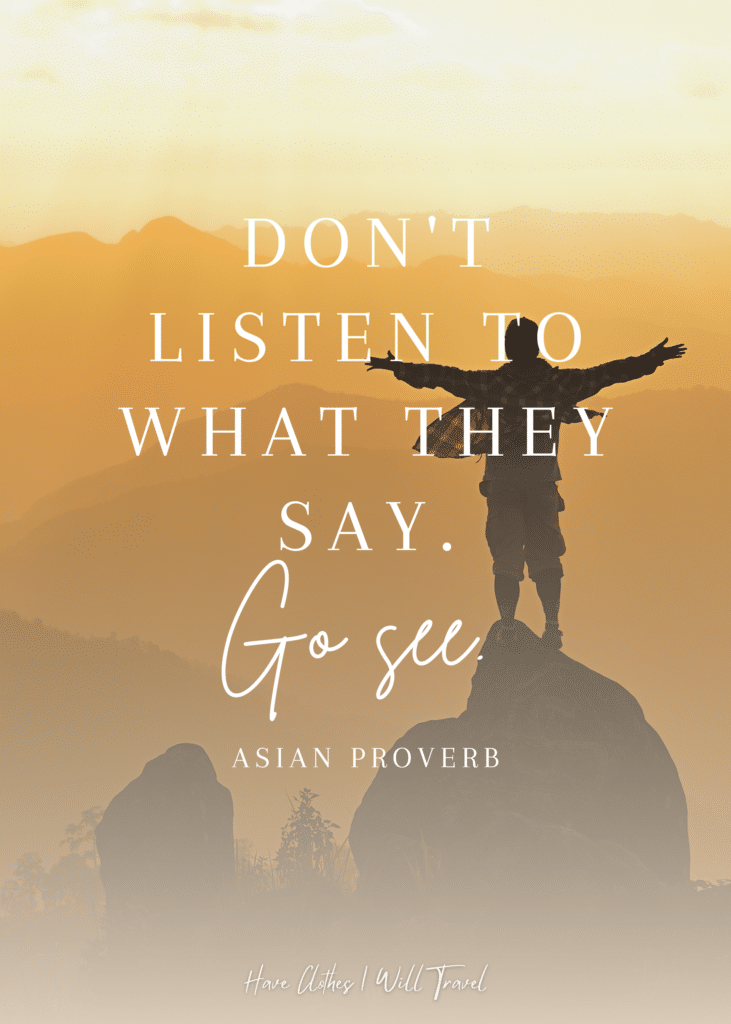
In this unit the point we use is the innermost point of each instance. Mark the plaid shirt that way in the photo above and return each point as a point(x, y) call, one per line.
point(513, 388)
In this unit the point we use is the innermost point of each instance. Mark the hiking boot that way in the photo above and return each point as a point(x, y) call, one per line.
point(551, 638)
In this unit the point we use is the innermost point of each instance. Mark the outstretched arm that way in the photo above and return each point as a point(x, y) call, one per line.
point(583, 383)
point(469, 384)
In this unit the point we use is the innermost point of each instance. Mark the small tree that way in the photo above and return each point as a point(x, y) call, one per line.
point(70, 884)
point(20, 894)
point(81, 838)
point(73, 881)
point(308, 849)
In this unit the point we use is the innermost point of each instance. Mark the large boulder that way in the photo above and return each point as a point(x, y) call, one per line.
point(165, 842)
point(584, 798)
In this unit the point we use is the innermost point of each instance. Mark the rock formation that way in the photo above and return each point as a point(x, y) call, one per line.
point(585, 797)
point(165, 842)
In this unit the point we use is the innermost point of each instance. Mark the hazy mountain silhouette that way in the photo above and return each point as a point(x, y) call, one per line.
point(98, 708)
point(164, 549)
point(121, 564)
point(526, 241)
point(381, 424)
point(171, 562)
point(80, 333)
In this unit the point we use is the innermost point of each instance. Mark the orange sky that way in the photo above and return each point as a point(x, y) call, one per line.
point(162, 548)
point(122, 111)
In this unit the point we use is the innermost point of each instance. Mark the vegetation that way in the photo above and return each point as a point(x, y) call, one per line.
point(308, 853)
point(71, 884)
point(308, 847)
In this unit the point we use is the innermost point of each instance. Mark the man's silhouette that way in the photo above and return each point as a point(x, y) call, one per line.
point(522, 496)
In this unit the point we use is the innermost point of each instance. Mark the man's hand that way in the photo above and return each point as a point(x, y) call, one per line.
point(661, 353)
point(380, 362)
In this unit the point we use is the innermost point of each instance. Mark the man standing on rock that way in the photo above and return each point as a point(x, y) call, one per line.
point(533, 399)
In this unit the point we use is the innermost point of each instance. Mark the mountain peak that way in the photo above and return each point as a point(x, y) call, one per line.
point(168, 227)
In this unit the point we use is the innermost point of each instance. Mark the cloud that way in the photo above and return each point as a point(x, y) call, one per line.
point(223, 15)
point(40, 75)
point(343, 21)
point(206, 19)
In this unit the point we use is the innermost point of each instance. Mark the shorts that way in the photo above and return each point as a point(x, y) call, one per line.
point(522, 526)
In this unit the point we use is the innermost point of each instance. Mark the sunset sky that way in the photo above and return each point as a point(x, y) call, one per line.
point(119, 111)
